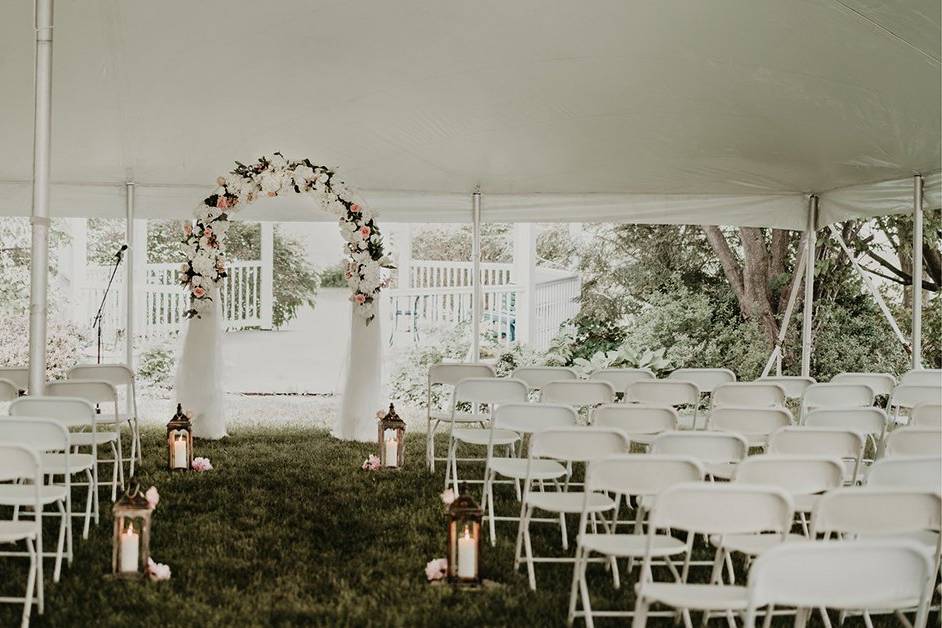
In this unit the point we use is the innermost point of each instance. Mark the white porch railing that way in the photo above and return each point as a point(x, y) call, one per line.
point(436, 274)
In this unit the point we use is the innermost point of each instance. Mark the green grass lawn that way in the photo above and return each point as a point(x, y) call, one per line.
point(287, 530)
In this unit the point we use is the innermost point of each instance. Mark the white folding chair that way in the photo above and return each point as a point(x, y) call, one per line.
point(719, 452)
point(748, 395)
point(841, 575)
point(915, 472)
point(567, 446)
point(122, 378)
point(75, 414)
point(621, 379)
point(753, 424)
point(675, 393)
point(835, 396)
point(523, 419)
point(710, 509)
point(19, 463)
point(882, 384)
point(8, 390)
point(916, 377)
point(440, 375)
point(871, 421)
point(793, 386)
point(914, 441)
point(536, 377)
point(50, 440)
point(629, 475)
point(705, 379)
point(19, 375)
point(906, 397)
point(834, 442)
point(578, 393)
point(926, 415)
point(641, 422)
point(100, 393)
point(480, 390)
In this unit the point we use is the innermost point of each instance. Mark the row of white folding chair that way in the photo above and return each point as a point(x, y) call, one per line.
point(906, 397)
point(447, 374)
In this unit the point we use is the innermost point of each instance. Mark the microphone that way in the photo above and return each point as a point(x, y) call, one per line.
point(124, 247)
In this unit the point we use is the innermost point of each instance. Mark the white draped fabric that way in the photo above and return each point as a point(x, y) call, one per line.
point(199, 373)
point(362, 382)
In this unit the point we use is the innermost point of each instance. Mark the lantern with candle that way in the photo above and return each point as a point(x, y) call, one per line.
point(179, 442)
point(392, 439)
point(464, 536)
point(131, 547)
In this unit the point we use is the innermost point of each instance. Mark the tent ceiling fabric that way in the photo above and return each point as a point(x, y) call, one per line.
point(723, 112)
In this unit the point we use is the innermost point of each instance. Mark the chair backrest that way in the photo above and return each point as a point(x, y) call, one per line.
point(794, 386)
point(880, 383)
point(916, 377)
point(578, 392)
point(876, 510)
point(797, 474)
point(705, 379)
point(708, 447)
point(818, 441)
point(578, 444)
point(21, 462)
point(914, 472)
point(538, 376)
point(727, 508)
point(914, 441)
point(18, 375)
point(870, 420)
point(635, 418)
point(748, 394)
point(621, 379)
point(489, 390)
point(90, 390)
point(664, 393)
point(836, 396)
point(927, 415)
point(749, 421)
point(527, 418)
point(71, 411)
point(840, 575)
point(38, 434)
point(912, 395)
point(641, 474)
point(451, 374)
point(114, 374)
point(8, 390)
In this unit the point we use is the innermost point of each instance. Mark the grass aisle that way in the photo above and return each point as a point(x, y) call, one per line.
point(287, 531)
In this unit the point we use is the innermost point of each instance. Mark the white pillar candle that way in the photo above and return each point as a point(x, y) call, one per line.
point(392, 452)
point(467, 555)
point(129, 548)
point(179, 453)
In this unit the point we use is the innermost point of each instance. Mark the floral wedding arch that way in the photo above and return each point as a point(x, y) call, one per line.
point(200, 368)
point(272, 175)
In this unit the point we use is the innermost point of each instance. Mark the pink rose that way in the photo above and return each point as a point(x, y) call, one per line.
point(222, 202)
point(273, 194)
point(187, 229)
point(371, 464)
point(436, 569)
point(208, 231)
point(157, 571)
point(359, 299)
point(198, 292)
point(202, 464)
point(354, 209)
point(364, 232)
point(448, 496)
point(152, 497)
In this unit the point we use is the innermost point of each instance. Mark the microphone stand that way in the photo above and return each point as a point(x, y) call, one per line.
point(96, 323)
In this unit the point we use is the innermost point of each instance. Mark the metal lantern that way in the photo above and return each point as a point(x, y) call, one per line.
point(392, 439)
point(464, 540)
point(179, 442)
point(131, 544)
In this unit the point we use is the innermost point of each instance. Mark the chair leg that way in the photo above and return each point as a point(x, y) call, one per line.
point(430, 446)
point(134, 441)
point(562, 530)
point(519, 544)
point(30, 583)
point(115, 470)
point(40, 599)
point(616, 577)
point(60, 544)
point(489, 505)
point(584, 592)
point(574, 589)
point(120, 460)
point(68, 523)
point(448, 461)
point(89, 499)
point(528, 547)
point(137, 437)
point(640, 618)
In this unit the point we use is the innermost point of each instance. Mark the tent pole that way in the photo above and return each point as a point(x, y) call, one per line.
point(130, 288)
point(806, 319)
point(917, 271)
point(476, 275)
point(39, 259)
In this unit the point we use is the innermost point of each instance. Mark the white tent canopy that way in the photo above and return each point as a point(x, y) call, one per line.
point(725, 112)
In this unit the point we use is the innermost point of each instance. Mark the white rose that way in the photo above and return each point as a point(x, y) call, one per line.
point(302, 174)
point(270, 182)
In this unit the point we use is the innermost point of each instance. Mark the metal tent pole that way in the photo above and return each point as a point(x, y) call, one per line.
point(806, 319)
point(39, 260)
point(129, 288)
point(476, 275)
point(917, 271)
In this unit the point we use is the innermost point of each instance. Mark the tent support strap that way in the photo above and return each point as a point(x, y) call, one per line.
point(39, 260)
point(917, 272)
point(776, 357)
point(476, 275)
point(806, 319)
point(872, 288)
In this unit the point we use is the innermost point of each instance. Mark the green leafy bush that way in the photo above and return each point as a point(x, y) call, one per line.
point(156, 365)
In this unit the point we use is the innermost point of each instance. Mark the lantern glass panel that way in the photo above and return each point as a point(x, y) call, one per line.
point(179, 442)
point(131, 543)
point(391, 439)
point(464, 541)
